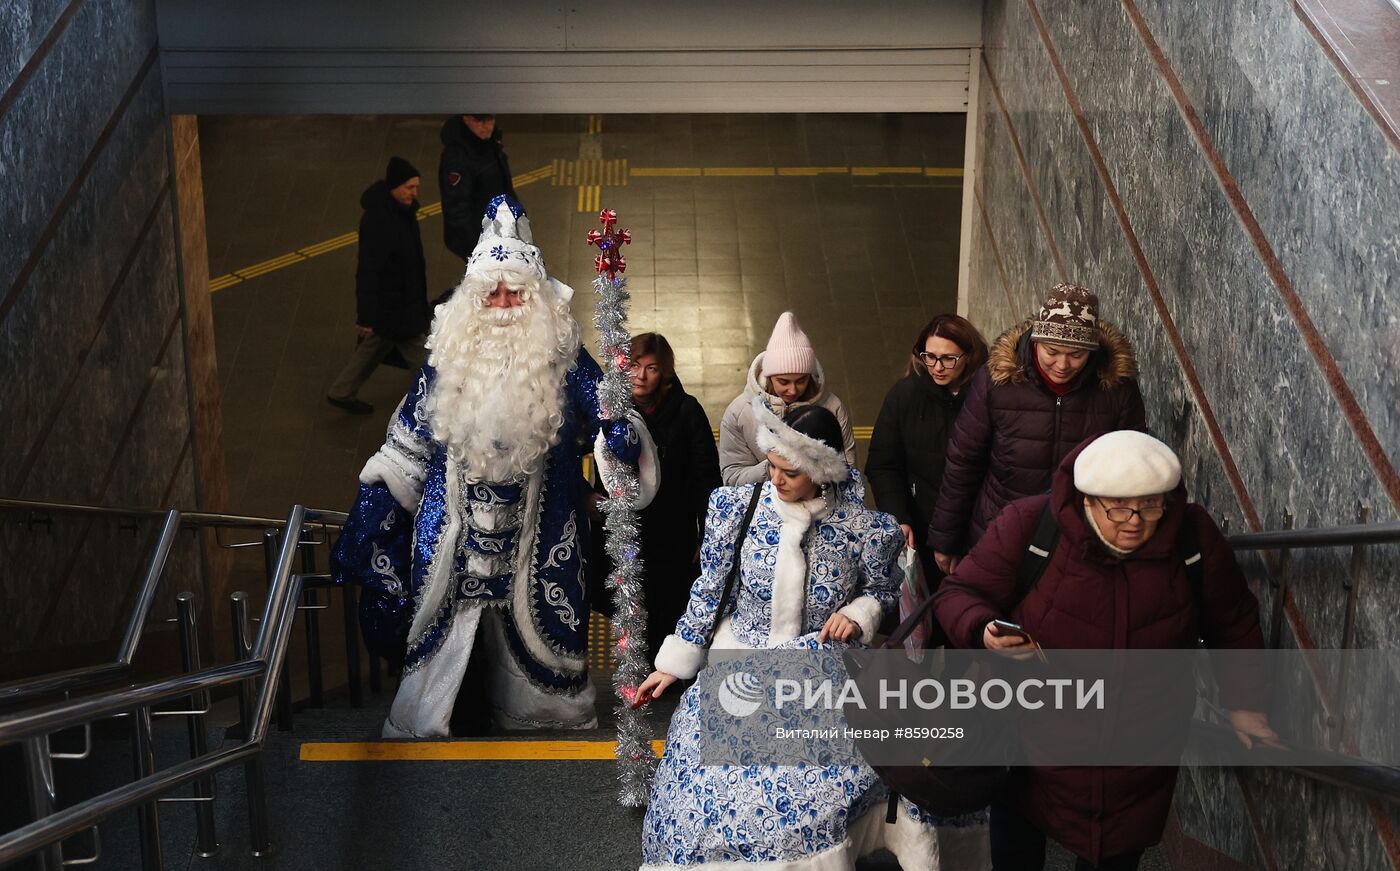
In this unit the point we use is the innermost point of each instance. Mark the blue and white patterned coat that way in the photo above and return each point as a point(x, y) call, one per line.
point(778, 817)
point(427, 544)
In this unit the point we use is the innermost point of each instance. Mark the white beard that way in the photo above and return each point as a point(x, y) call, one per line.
point(498, 400)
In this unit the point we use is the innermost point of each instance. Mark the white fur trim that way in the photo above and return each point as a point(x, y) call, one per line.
point(438, 578)
point(394, 470)
point(790, 572)
point(819, 461)
point(561, 290)
point(648, 466)
point(680, 658)
point(866, 611)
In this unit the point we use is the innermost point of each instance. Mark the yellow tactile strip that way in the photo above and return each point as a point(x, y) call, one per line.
point(463, 751)
point(590, 177)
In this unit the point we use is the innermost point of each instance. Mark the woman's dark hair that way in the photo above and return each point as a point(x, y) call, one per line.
point(817, 422)
point(960, 332)
point(656, 345)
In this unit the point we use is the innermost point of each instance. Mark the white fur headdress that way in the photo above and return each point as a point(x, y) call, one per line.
point(818, 460)
point(506, 242)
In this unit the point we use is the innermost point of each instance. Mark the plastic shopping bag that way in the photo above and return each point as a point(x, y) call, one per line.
point(913, 590)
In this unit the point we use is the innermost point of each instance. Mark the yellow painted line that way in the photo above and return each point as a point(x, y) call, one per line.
point(430, 209)
point(329, 245)
point(813, 170)
point(223, 281)
point(269, 265)
point(944, 171)
point(740, 171)
point(590, 197)
point(887, 170)
point(595, 124)
point(463, 751)
point(665, 171)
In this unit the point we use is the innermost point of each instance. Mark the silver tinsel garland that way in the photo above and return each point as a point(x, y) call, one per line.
point(635, 759)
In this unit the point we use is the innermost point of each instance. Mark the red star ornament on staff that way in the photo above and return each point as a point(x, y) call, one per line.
point(609, 259)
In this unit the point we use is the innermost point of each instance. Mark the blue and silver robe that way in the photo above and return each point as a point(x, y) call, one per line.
point(433, 551)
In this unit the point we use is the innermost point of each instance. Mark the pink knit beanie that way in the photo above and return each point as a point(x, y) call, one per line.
point(789, 351)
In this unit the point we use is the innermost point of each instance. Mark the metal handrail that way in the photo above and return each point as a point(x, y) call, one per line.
point(13, 692)
point(268, 654)
point(1325, 536)
point(189, 519)
point(43, 685)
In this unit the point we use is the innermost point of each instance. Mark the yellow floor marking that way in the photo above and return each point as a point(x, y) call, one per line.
point(665, 171)
point(813, 170)
point(595, 124)
point(590, 197)
point(947, 171)
point(887, 170)
point(740, 171)
point(240, 275)
point(463, 751)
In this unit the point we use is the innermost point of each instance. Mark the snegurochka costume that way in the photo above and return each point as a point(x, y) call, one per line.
point(799, 564)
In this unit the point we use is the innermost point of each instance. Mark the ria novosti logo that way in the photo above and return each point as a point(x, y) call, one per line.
point(740, 694)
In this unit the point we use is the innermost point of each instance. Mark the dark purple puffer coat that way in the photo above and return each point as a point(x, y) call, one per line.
point(1088, 599)
point(1013, 431)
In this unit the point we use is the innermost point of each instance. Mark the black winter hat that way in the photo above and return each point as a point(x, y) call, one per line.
point(399, 171)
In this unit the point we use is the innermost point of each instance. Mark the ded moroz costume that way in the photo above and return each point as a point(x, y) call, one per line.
point(469, 533)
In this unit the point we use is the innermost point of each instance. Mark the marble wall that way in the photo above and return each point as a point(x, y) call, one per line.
point(96, 353)
point(1210, 174)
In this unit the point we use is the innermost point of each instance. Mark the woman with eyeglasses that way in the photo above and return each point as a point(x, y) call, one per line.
point(1118, 576)
point(1050, 382)
point(909, 445)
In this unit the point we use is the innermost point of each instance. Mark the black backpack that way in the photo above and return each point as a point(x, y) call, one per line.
point(1041, 547)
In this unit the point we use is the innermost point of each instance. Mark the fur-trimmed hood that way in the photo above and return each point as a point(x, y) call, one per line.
point(1114, 361)
point(754, 386)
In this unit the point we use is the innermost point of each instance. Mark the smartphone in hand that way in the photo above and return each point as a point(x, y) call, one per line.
point(1007, 628)
point(641, 699)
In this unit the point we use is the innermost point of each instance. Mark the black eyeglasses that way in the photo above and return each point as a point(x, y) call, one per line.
point(1122, 514)
point(943, 361)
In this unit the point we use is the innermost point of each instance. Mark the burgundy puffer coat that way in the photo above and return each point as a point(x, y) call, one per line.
point(1089, 599)
point(1013, 431)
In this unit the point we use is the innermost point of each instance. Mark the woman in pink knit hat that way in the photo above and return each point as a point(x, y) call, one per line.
point(787, 376)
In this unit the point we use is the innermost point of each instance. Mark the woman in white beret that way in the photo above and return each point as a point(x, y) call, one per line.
point(1116, 578)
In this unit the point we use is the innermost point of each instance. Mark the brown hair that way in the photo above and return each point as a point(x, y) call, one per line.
point(656, 345)
point(960, 332)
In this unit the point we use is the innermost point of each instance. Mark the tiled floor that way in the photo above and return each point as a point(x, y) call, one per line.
point(863, 257)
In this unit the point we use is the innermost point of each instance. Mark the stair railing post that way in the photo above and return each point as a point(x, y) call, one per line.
point(148, 814)
point(313, 626)
point(38, 766)
point(284, 684)
point(207, 839)
point(254, 775)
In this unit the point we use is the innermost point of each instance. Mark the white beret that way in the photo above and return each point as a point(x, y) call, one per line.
point(1126, 464)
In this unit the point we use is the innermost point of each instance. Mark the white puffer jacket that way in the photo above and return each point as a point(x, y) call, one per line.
point(740, 460)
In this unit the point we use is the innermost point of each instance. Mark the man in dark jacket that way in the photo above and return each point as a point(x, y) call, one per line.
point(391, 288)
point(1049, 383)
point(1114, 581)
point(472, 172)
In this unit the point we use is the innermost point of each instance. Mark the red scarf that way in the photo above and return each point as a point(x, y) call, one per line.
point(1057, 389)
